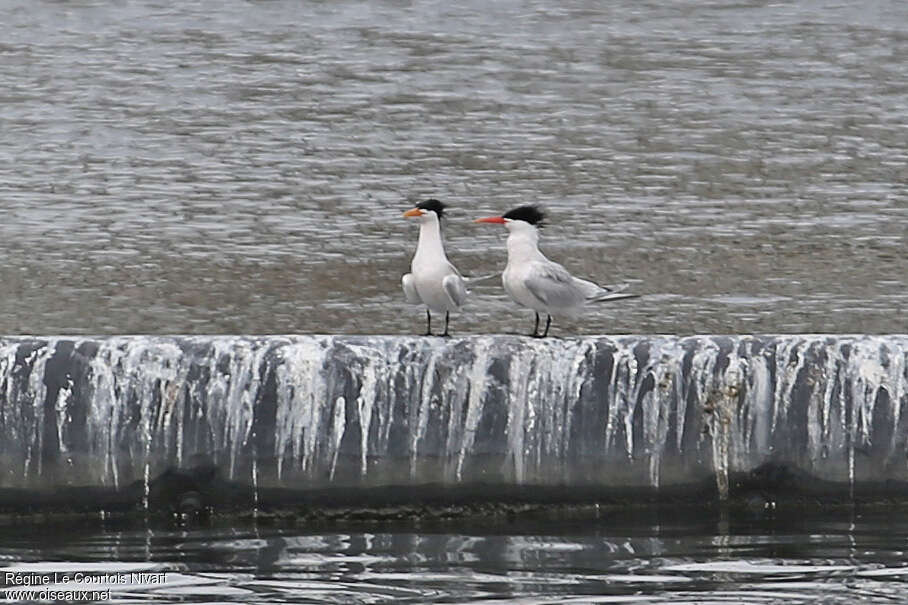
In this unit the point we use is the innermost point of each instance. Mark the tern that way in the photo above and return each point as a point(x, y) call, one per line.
point(433, 281)
point(533, 281)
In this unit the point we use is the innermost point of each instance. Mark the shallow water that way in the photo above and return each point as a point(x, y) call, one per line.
point(834, 558)
point(210, 167)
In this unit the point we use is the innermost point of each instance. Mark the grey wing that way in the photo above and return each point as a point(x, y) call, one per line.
point(553, 285)
point(455, 288)
point(410, 293)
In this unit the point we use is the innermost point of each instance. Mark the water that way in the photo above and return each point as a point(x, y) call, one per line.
point(242, 167)
point(849, 557)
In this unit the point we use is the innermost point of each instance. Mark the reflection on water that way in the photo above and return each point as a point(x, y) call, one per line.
point(851, 558)
point(227, 166)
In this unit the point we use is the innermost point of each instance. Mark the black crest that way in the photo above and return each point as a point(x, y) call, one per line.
point(433, 205)
point(530, 214)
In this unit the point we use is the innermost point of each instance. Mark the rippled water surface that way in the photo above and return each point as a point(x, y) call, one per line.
point(239, 166)
point(849, 558)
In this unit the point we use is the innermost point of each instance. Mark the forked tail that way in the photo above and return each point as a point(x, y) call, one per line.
point(613, 292)
point(608, 296)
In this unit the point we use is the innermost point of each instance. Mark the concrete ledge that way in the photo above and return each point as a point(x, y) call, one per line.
point(305, 414)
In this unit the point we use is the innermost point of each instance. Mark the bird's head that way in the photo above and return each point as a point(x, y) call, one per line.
point(518, 219)
point(426, 210)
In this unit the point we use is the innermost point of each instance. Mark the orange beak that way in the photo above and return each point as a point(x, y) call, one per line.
point(413, 213)
point(492, 219)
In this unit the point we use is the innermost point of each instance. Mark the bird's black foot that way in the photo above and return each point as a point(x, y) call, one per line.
point(535, 333)
point(548, 322)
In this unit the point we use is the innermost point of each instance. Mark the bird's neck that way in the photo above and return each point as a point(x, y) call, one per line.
point(430, 244)
point(523, 245)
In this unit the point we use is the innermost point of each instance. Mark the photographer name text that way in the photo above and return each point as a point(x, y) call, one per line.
point(12, 578)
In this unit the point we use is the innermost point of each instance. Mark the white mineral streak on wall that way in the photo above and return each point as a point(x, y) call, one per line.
point(477, 384)
point(302, 402)
point(829, 438)
point(869, 378)
point(531, 371)
point(790, 360)
point(521, 372)
point(721, 405)
point(38, 391)
point(621, 394)
point(706, 386)
point(826, 430)
point(102, 417)
point(422, 383)
point(455, 390)
point(375, 375)
point(897, 386)
point(134, 382)
point(578, 372)
point(234, 385)
point(64, 396)
point(389, 360)
point(11, 414)
point(7, 383)
point(338, 426)
point(663, 367)
point(754, 411)
point(566, 384)
point(23, 417)
point(545, 382)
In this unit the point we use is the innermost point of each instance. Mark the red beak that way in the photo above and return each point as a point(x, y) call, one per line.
point(492, 219)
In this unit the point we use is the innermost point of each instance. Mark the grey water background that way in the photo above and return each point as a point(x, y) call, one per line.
point(241, 167)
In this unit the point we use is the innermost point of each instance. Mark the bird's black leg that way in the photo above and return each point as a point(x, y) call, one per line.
point(548, 322)
point(428, 324)
point(535, 333)
point(447, 317)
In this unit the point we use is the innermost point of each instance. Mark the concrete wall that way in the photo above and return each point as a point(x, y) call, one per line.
point(309, 412)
